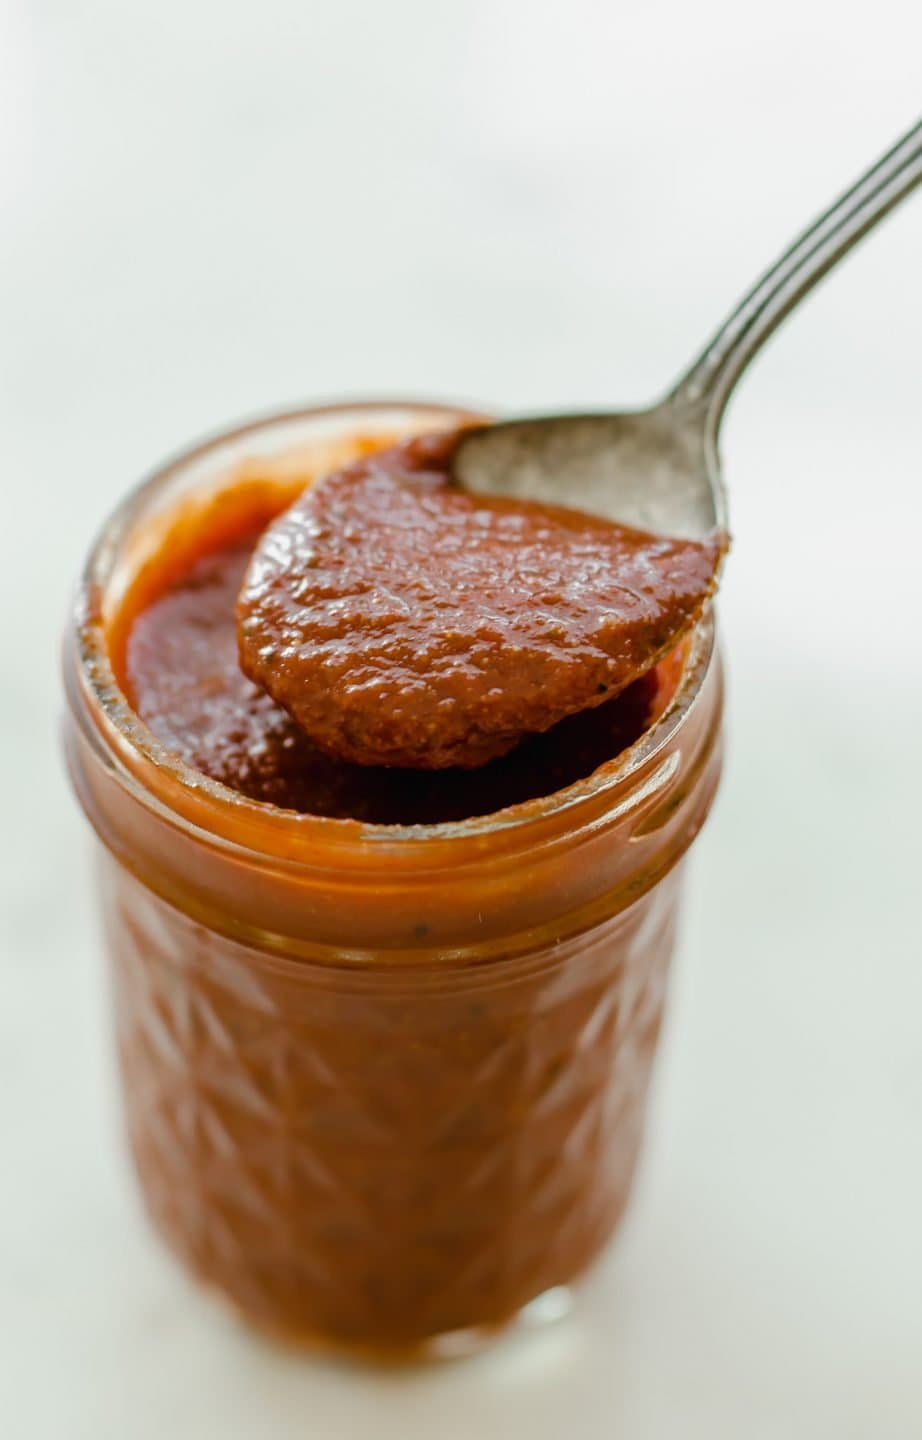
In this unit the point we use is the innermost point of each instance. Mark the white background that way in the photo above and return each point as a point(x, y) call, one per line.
point(209, 209)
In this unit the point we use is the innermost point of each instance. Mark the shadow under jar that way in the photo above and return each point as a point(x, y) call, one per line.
point(384, 1085)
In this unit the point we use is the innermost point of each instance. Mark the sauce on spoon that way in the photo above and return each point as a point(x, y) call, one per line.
point(404, 621)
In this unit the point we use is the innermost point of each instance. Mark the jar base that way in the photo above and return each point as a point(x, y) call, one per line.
point(552, 1306)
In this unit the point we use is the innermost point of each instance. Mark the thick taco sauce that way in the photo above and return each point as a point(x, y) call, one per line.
point(383, 1085)
point(183, 675)
point(403, 620)
point(389, 616)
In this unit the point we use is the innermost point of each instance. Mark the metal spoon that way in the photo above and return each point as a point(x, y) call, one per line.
point(659, 469)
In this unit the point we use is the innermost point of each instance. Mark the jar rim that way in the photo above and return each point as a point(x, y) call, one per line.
point(184, 794)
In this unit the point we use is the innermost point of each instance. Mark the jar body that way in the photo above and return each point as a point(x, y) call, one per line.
point(384, 1086)
point(384, 1158)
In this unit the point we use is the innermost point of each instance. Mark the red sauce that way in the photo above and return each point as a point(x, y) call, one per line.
point(404, 621)
point(184, 679)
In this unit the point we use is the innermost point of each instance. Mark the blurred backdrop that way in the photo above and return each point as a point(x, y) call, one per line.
point(211, 209)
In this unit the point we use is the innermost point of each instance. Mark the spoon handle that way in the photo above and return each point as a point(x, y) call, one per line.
point(710, 381)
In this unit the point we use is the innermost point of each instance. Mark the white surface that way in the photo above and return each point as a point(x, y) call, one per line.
point(210, 209)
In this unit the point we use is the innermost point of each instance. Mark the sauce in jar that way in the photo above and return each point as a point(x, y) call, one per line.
point(183, 677)
point(384, 1076)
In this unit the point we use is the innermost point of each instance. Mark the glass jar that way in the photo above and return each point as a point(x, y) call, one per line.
point(384, 1086)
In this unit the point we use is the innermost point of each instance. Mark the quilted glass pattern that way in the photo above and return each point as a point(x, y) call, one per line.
point(374, 1155)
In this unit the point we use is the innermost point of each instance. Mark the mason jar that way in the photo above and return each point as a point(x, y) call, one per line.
point(384, 1086)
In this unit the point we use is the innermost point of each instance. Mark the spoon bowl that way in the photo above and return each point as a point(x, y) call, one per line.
point(652, 469)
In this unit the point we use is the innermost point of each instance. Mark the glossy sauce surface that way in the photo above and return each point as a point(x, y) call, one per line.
point(404, 621)
point(183, 677)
